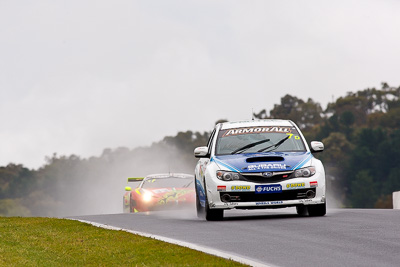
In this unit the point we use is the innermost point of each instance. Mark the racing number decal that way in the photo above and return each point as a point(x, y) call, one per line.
point(295, 137)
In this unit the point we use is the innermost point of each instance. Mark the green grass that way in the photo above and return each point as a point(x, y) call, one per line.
point(61, 242)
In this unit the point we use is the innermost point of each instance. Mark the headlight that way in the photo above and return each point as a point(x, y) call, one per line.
point(304, 172)
point(228, 176)
point(147, 196)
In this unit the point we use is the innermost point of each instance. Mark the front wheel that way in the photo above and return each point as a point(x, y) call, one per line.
point(199, 208)
point(301, 210)
point(213, 214)
point(132, 206)
point(317, 210)
point(125, 208)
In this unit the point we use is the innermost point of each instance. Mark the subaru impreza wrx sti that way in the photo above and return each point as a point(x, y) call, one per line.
point(259, 164)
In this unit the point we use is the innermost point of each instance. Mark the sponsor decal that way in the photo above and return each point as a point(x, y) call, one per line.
point(269, 203)
point(267, 189)
point(230, 204)
point(173, 196)
point(240, 187)
point(252, 130)
point(265, 166)
point(305, 200)
point(313, 184)
point(295, 185)
point(221, 188)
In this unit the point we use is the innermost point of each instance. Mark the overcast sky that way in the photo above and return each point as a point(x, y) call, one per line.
point(80, 76)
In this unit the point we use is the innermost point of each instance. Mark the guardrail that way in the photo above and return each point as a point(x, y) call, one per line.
point(396, 200)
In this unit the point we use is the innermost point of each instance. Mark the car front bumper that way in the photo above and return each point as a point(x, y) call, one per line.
point(244, 195)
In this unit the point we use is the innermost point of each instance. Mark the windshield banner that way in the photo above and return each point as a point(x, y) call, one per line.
point(253, 130)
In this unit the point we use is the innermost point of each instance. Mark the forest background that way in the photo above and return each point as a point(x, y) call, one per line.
point(360, 132)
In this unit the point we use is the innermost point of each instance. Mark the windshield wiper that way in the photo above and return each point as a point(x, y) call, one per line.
point(249, 146)
point(275, 145)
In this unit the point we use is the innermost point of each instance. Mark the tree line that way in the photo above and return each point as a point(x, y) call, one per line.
point(361, 134)
point(360, 131)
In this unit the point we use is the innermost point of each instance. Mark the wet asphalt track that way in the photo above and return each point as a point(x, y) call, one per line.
point(344, 237)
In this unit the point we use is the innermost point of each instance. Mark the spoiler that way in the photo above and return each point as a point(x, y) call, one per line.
point(135, 179)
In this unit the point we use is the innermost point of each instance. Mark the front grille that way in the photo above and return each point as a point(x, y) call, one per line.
point(253, 197)
point(257, 177)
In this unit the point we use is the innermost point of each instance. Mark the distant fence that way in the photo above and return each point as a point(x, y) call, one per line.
point(396, 200)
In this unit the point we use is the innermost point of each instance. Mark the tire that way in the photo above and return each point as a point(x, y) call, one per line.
point(209, 214)
point(302, 210)
point(199, 208)
point(212, 214)
point(317, 210)
point(132, 205)
point(124, 209)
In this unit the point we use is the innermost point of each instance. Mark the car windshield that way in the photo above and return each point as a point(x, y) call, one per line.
point(259, 139)
point(167, 182)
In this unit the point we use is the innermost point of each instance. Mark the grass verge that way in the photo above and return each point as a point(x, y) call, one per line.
point(61, 242)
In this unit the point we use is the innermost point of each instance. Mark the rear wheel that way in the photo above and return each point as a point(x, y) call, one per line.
point(317, 210)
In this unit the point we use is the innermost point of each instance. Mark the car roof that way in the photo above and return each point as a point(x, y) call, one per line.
point(255, 123)
point(169, 175)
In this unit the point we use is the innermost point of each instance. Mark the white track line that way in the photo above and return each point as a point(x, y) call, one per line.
point(183, 244)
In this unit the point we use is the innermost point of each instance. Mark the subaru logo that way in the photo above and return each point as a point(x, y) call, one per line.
point(267, 174)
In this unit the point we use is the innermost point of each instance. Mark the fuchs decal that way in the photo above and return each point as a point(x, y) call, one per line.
point(266, 189)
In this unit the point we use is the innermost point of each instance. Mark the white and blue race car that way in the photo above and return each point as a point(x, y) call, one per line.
point(259, 164)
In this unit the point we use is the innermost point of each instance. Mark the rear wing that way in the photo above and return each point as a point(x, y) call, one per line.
point(135, 179)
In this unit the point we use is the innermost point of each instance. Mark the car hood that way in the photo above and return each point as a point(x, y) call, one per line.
point(262, 162)
point(164, 195)
point(169, 191)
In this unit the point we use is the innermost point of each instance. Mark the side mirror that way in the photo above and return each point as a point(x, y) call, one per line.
point(128, 188)
point(201, 152)
point(317, 147)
